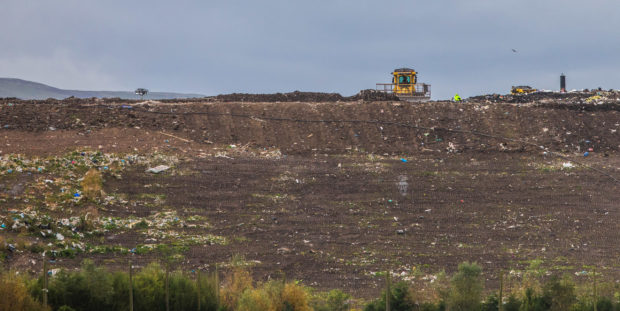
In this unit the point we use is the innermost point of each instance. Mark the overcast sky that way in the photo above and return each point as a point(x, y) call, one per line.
point(225, 46)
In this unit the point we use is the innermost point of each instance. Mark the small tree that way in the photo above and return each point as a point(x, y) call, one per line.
point(337, 300)
point(400, 299)
point(560, 293)
point(467, 287)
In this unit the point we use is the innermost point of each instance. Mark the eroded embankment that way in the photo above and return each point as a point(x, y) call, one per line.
point(300, 128)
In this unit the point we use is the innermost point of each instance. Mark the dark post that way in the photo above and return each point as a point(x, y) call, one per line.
point(217, 286)
point(167, 287)
point(198, 290)
point(500, 306)
point(595, 293)
point(130, 286)
point(388, 291)
point(563, 83)
point(45, 279)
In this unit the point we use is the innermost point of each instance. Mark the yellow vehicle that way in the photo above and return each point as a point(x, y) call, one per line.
point(522, 89)
point(405, 85)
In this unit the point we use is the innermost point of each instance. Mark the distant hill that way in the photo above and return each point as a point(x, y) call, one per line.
point(23, 89)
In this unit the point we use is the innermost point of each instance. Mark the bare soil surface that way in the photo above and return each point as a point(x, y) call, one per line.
point(325, 192)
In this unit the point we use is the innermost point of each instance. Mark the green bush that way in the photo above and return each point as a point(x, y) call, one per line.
point(466, 288)
point(513, 304)
point(149, 291)
point(14, 295)
point(337, 300)
point(400, 299)
point(533, 302)
point(255, 300)
point(491, 304)
point(559, 294)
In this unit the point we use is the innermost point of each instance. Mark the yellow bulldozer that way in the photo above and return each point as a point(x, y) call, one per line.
point(405, 85)
point(522, 89)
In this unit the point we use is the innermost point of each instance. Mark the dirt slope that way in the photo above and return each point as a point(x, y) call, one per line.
point(326, 192)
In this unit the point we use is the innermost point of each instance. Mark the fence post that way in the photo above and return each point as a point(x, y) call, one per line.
point(388, 291)
point(217, 286)
point(594, 292)
point(198, 289)
point(167, 288)
point(130, 286)
point(45, 281)
point(500, 306)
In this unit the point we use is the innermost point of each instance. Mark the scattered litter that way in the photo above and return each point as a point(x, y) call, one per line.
point(77, 195)
point(158, 169)
point(59, 237)
point(403, 160)
point(590, 149)
point(283, 250)
point(567, 165)
point(585, 154)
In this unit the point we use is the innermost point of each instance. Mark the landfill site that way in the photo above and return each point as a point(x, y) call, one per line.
point(325, 189)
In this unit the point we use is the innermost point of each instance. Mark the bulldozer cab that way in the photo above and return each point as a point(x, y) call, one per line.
point(404, 81)
point(405, 85)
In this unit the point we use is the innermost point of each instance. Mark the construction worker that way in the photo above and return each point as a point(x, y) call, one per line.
point(457, 98)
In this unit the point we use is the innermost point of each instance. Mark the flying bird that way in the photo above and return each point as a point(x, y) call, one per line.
point(514, 50)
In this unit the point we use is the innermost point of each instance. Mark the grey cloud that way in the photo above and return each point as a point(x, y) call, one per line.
point(333, 46)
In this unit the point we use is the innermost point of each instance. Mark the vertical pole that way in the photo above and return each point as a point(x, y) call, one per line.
point(45, 281)
point(595, 293)
point(217, 286)
point(130, 286)
point(167, 287)
point(198, 290)
point(388, 291)
point(500, 305)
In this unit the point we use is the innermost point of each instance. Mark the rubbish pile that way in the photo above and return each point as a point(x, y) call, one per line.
point(297, 96)
point(577, 100)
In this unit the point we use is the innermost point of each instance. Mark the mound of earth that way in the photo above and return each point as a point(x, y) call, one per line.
point(328, 193)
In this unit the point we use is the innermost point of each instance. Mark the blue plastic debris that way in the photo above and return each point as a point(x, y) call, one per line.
point(10, 170)
point(403, 160)
point(585, 154)
point(77, 195)
point(2, 226)
point(126, 106)
point(40, 169)
point(82, 153)
point(105, 167)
